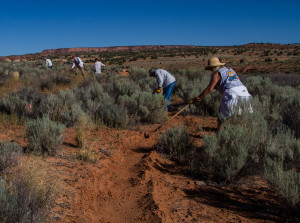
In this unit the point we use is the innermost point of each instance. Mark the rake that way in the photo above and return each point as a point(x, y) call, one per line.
point(150, 133)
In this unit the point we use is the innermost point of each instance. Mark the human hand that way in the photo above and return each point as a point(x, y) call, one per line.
point(158, 90)
point(194, 100)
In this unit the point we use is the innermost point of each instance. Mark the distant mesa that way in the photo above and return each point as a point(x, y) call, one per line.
point(114, 48)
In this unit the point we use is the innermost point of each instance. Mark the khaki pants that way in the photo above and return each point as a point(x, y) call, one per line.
point(81, 69)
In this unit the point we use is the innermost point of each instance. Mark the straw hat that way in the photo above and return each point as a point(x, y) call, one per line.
point(213, 62)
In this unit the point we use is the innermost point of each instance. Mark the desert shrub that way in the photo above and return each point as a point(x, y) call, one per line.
point(111, 115)
point(248, 144)
point(62, 108)
point(44, 135)
point(91, 97)
point(282, 162)
point(100, 106)
point(151, 107)
point(45, 83)
point(237, 150)
point(282, 104)
point(30, 103)
point(125, 87)
point(268, 60)
point(121, 86)
point(18, 102)
point(190, 83)
point(146, 107)
point(188, 89)
point(51, 79)
point(191, 73)
point(8, 120)
point(130, 103)
point(138, 73)
point(290, 112)
point(209, 106)
point(176, 142)
point(258, 85)
point(285, 182)
point(141, 77)
point(9, 154)
point(23, 198)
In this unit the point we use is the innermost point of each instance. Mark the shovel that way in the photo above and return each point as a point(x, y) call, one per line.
point(150, 133)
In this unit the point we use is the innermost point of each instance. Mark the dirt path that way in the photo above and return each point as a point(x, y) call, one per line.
point(131, 182)
point(137, 184)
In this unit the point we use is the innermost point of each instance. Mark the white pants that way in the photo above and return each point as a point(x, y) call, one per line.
point(235, 99)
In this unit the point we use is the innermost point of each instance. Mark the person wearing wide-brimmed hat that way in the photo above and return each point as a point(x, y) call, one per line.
point(226, 81)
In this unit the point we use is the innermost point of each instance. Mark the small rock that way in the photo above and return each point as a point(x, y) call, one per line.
point(200, 183)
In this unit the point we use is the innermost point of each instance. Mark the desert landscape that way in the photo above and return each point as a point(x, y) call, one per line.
point(74, 147)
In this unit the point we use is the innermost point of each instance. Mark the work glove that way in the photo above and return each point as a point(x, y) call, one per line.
point(194, 100)
point(158, 90)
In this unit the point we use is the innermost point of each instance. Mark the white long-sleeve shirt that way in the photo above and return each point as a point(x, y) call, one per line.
point(164, 78)
point(77, 62)
point(48, 63)
point(97, 67)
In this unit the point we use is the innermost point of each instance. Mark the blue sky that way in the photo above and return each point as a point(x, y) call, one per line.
point(32, 26)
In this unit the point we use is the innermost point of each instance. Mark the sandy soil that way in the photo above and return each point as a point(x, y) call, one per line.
point(131, 182)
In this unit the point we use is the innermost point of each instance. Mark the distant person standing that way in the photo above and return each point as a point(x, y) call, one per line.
point(97, 66)
point(165, 82)
point(77, 62)
point(48, 63)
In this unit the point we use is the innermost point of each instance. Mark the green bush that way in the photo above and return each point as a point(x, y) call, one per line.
point(111, 115)
point(286, 182)
point(18, 102)
point(62, 108)
point(44, 136)
point(282, 160)
point(50, 79)
point(176, 142)
point(9, 154)
point(141, 77)
point(150, 107)
point(91, 97)
point(144, 107)
point(190, 83)
point(281, 104)
point(237, 150)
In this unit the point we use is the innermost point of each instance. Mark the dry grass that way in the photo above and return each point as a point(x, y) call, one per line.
point(28, 194)
point(82, 129)
point(7, 120)
point(87, 155)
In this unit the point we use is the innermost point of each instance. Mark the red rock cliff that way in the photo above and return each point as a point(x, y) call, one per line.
point(114, 49)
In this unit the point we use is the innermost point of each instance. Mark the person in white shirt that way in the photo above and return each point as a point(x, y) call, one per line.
point(166, 81)
point(97, 66)
point(77, 62)
point(48, 63)
point(235, 96)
